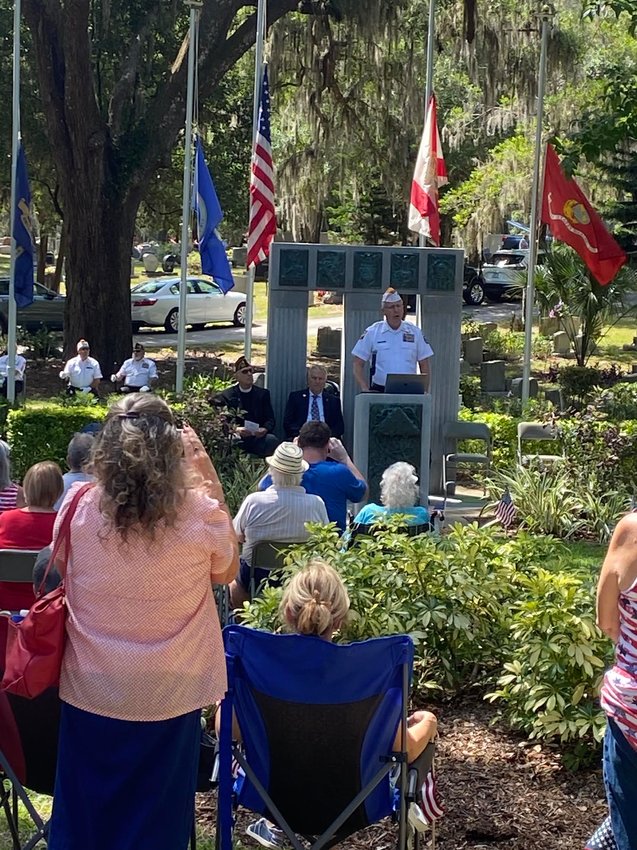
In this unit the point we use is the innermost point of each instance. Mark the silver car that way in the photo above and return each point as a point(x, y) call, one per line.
point(46, 311)
point(156, 304)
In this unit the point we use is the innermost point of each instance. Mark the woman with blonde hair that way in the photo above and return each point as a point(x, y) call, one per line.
point(315, 602)
point(144, 651)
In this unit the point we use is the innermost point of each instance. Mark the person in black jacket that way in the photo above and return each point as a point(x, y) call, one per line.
point(313, 404)
point(252, 412)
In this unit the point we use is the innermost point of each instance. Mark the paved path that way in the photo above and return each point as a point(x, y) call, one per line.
point(155, 340)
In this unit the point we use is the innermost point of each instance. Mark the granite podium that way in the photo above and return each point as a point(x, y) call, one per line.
point(362, 273)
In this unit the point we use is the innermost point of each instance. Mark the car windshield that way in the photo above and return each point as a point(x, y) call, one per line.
point(507, 259)
point(149, 288)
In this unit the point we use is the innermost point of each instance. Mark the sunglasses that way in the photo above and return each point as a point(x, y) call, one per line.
point(246, 371)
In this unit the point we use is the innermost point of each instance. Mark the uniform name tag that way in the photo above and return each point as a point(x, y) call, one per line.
point(408, 337)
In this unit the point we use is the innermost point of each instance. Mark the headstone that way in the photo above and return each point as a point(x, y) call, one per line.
point(554, 395)
point(473, 350)
point(516, 387)
point(465, 367)
point(486, 328)
point(549, 325)
point(259, 380)
point(579, 341)
point(328, 342)
point(492, 378)
point(570, 324)
point(561, 343)
point(631, 378)
point(633, 368)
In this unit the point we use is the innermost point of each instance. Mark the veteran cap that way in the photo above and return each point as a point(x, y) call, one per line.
point(242, 363)
point(138, 347)
point(390, 296)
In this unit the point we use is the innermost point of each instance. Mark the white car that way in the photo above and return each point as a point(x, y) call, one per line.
point(156, 303)
point(505, 275)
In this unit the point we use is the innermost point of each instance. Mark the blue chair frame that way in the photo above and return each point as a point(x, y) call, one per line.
point(279, 686)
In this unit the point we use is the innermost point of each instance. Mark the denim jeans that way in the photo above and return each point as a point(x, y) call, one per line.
point(620, 779)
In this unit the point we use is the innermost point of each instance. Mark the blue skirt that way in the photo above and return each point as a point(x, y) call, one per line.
point(124, 785)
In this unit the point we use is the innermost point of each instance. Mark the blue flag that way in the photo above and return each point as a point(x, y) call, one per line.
point(209, 215)
point(23, 235)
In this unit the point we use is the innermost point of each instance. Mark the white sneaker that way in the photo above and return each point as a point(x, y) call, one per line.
point(416, 818)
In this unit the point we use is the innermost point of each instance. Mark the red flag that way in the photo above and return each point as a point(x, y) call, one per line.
point(262, 225)
point(573, 220)
point(430, 173)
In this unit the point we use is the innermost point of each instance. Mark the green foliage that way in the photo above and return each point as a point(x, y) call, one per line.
point(42, 430)
point(617, 403)
point(505, 344)
point(550, 681)
point(470, 391)
point(42, 343)
point(578, 382)
point(602, 455)
point(504, 435)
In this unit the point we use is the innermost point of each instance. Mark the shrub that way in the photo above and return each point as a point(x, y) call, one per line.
point(42, 430)
point(470, 391)
point(507, 344)
point(617, 403)
point(503, 432)
point(601, 454)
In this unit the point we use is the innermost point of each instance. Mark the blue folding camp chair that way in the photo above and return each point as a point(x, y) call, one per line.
point(318, 723)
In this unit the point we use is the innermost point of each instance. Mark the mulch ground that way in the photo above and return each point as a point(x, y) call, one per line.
point(499, 791)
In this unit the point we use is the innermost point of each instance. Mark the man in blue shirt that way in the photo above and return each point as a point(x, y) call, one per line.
point(331, 473)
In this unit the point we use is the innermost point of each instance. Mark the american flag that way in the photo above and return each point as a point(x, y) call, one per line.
point(262, 227)
point(505, 510)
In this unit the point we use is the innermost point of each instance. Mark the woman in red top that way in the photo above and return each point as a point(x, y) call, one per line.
point(30, 527)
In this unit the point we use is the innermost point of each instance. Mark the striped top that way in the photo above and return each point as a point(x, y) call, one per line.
point(143, 636)
point(8, 497)
point(619, 691)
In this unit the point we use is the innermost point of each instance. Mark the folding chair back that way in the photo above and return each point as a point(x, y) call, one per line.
point(28, 757)
point(16, 565)
point(535, 432)
point(266, 555)
point(318, 723)
point(458, 431)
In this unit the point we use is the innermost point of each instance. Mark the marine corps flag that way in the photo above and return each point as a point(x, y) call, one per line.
point(573, 220)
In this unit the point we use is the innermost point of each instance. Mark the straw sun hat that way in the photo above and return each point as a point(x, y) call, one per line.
point(287, 458)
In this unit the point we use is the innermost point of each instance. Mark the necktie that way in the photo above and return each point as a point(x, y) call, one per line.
point(314, 409)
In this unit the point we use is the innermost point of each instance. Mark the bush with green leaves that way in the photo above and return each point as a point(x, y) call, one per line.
point(514, 615)
point(506, 344)
point(42, 430)
point(550, 681)
point(602, 455)
point(618, 402)
point(504, 435)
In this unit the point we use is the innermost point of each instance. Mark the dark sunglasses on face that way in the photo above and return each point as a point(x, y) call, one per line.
point(247, 371)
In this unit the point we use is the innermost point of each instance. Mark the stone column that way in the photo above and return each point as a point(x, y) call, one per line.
point(360, 310)
point(287, 358)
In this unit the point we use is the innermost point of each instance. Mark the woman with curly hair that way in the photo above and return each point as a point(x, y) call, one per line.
point(399, 493)
point(144, 651)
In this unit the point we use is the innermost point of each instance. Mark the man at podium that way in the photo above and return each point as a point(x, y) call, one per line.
point(391, 346)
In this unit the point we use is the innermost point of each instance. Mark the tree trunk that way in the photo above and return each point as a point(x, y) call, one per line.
point(59, 263)
point(42, 251)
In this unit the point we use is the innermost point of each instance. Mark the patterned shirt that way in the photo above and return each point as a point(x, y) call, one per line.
point(619, 691)
point(143, 636)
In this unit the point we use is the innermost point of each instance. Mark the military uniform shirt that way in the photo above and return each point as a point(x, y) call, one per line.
point(398, 352)
point(82, 373)
point(138, 373)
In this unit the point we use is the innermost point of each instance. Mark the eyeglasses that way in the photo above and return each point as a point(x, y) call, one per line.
point(246, 371)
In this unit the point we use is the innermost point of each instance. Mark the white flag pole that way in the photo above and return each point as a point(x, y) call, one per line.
point(258, 77)
point(429, 84)
point(195, 6)
point(535, 192)
point(15, 145)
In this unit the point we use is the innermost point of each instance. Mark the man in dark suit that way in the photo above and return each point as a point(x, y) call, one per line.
point(313, 404)
point(252, 412)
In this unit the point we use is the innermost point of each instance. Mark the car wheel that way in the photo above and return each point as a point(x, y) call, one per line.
point(239, 318)
point(172, 322)
point(474, 293)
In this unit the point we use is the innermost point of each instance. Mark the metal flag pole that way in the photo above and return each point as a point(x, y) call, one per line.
point(546, 14)
point(15, 145)
point(429, 85)
point(195, 6)
point(258, 76)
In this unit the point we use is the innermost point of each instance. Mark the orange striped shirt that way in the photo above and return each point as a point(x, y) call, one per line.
point(143, 635)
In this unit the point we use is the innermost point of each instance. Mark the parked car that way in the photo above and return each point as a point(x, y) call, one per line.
point(156, 303)
point(47, 309)
point(505, 275)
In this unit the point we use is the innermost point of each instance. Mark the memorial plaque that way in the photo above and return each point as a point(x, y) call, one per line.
point(395, 433)
point(368, 270)
point(330, 269)
point(293, 269)
point(404, 272)
point(441, 273)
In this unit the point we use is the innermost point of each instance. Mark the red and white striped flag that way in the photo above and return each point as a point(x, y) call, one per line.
point(262, 227)
point(429, 174)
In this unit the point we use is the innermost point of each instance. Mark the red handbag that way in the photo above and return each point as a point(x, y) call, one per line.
point(35, 645)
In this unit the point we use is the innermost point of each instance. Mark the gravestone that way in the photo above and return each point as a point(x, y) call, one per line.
point(492, 376)
point(473, 350)
point(554, 395)
point(516, 387)
point(561, 344)
point(549, 325)
point(487, 328)
point(328, 342)
point(362, 273)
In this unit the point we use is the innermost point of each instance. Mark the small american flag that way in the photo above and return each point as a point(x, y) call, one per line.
point(262, 227)
point(505, 510)
point(603, 838)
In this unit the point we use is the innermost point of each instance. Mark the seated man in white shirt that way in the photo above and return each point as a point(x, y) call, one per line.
point(279, 514)
point(139, 372)
point(82, 373)
point(20, 367)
